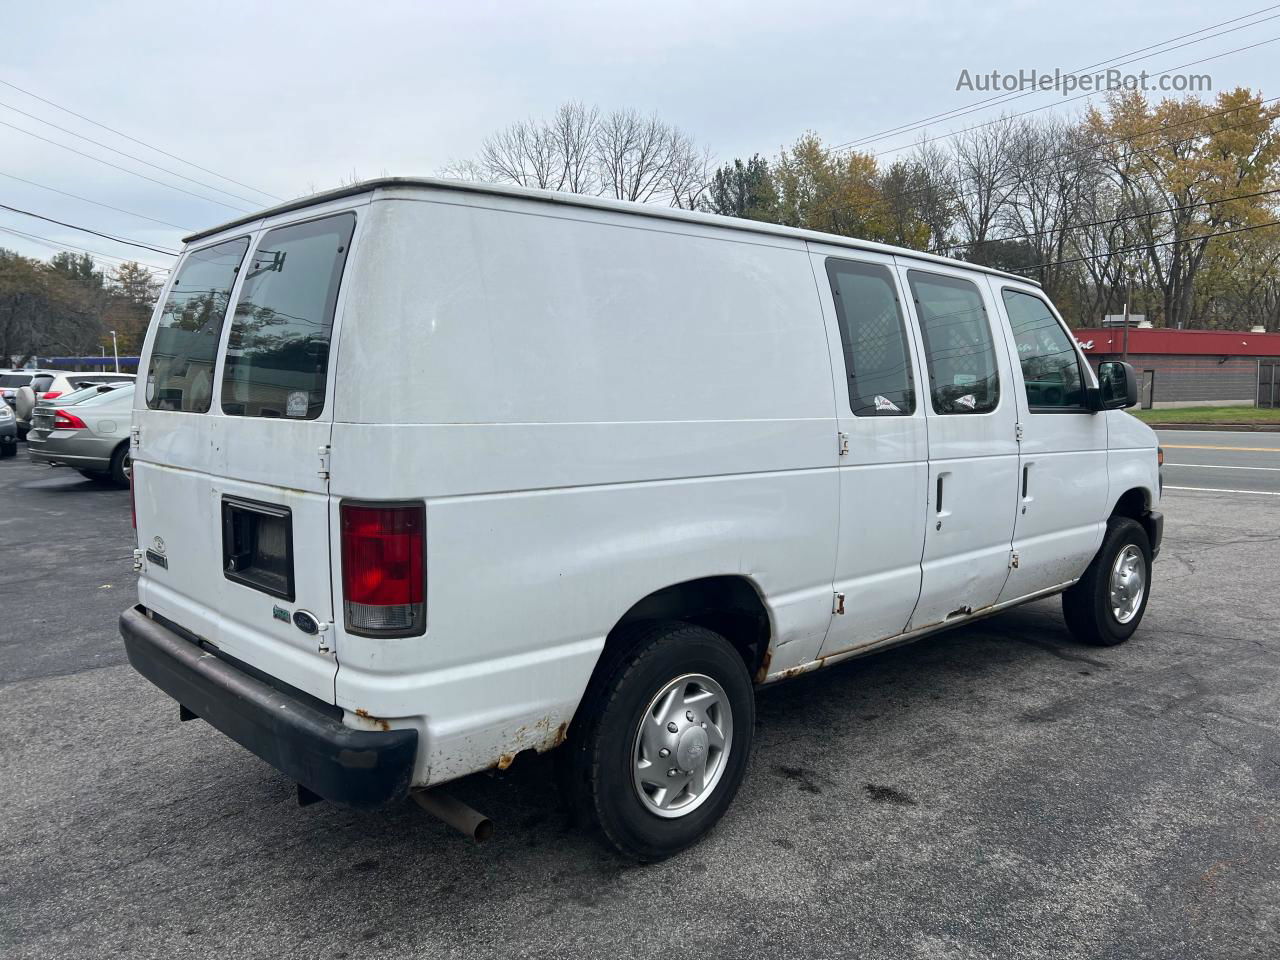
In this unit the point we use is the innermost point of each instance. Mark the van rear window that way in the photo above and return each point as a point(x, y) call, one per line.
point(278, 351)
point(180, 372)
point(14, 379)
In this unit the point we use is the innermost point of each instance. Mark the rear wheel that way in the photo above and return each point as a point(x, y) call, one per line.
point(1106, 606)
point(661, 741)
point(121, 461)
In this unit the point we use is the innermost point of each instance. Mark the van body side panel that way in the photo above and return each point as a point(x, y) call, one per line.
point(593, 407)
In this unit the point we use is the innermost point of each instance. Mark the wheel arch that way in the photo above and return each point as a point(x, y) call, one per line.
point(730, 604)
point(1135, 503)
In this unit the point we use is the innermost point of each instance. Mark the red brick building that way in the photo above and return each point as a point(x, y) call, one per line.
point(1194, 368)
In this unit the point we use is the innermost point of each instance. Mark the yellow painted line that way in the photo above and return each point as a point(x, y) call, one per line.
point(1210, 446)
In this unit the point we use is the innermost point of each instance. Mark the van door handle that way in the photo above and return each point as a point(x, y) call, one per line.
point(938, 498)
point(1025, 472)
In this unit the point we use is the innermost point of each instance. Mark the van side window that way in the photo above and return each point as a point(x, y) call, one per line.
point(1050, 365)
point(873, 333)
point(278, 350)
point(959, 348)
point(185, 347)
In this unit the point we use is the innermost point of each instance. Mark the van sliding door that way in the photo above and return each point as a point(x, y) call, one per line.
point(972, 419)
point(885, 467)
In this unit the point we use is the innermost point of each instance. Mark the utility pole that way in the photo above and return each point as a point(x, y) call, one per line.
point(1128, 288)
point(115, 348)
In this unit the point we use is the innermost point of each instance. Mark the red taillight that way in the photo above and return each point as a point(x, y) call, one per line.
point(67, 421)
point(384, 569)
point(51, 395)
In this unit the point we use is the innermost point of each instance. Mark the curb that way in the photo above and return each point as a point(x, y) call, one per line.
point(1226, 427)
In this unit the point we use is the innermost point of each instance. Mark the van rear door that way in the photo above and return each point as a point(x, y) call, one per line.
point(235, 421)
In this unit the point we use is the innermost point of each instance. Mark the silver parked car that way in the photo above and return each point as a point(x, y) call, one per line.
point(87, 430)
point(50, 385)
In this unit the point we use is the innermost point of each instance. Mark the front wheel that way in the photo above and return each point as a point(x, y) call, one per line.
point(1105, 607)
point(661, 742)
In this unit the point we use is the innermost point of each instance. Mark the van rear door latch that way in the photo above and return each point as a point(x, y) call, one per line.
point(323, 451)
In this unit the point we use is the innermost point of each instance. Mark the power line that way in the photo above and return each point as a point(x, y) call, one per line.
point(1146, 246)
point(117, 166)
point(1100, 223)
point(56, 245)
point(98, 203)
point(105, 236)
point(142, 143)
point(1005, 97)
point(1013, 116)
point(154, 166)
point(1016, 179)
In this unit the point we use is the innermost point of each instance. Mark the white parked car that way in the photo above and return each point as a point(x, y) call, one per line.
point(639, 461)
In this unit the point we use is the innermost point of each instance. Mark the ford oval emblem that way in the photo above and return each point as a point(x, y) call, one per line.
point(306, 622)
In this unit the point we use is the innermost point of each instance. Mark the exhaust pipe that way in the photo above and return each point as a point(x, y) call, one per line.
point(455, 813)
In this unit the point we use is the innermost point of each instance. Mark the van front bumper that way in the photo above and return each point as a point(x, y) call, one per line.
point(360, 769)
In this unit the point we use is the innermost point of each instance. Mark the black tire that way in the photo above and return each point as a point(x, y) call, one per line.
point(8, 449)
point(1087, 605)
point(119, 466)
point(598, 762)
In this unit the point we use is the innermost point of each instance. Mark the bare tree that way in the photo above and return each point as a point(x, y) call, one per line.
point(573, 129)
point(981, 163)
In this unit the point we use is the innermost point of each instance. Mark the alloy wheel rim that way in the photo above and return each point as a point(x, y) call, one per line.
point(1128, 583)
point(682, 745)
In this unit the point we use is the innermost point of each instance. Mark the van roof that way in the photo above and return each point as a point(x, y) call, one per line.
point(597, 203)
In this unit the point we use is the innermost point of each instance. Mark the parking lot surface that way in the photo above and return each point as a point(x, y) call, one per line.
point(997, 791)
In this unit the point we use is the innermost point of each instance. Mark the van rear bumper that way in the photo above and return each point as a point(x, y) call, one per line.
point(360, 769)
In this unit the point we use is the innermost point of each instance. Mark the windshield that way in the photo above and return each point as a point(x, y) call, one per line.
point(83, 394)
point(122, 395)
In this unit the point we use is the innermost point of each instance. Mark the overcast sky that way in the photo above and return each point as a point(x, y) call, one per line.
point(291, 96)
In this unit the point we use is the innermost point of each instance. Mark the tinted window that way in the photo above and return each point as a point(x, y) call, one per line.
point(278, 351)
point(958, 345)
point(1050, 367)
point(876, 357)
point(14, 379)
point(180, 373)
point(41, 382)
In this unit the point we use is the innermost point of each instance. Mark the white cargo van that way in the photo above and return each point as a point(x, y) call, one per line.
point(428, 474)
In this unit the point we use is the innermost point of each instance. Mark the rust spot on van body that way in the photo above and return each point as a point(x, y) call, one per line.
point(763, 673)
point(562, 734)
point(506, 760)
point(364, 714)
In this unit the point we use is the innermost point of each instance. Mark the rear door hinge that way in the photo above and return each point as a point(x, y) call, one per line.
point(1014, 560)
point(324, 451)
point(837, 605)
point(135, 436)
point(1017, 433)
point(843, 441)
point(325, 636)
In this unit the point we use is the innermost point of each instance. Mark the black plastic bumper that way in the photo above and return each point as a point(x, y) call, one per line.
point(1154, 522)
point(360, 769)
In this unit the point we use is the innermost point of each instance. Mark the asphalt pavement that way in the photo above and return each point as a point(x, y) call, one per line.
point(1222, 461)
point(994, 792)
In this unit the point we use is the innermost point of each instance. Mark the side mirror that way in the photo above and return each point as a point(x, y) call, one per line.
point(1118, 387)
